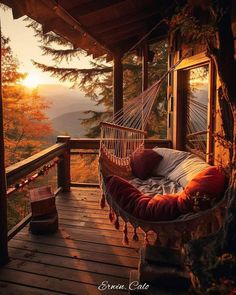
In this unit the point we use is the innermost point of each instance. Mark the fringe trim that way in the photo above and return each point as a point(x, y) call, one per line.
point(135, 235)
point(117, 223)
point(103, 201)
point(111, 215)
point(125, 234)
point(146, 241)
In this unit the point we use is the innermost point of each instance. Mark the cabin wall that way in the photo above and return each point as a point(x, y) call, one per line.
point(216, 153)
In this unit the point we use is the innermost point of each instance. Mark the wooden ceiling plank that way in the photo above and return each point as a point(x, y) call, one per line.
point(123, 21)
point(126, 30)
point(118, 36)
point(92, 6)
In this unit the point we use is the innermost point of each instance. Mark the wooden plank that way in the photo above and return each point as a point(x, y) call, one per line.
point(47, 283)
point(88, 224)
point(80, 245)
point(85, 184)
point(84, 143)
point(92, 6)
point(75, 217)
point(123, 21)
point(88, 143)
point(89, 236)
point(93, 207)
point(16, 289)
point(70, 263)
point(75, 253)
point(82, 207)
point(62, 273)
point(102, 232)
point(75, 214)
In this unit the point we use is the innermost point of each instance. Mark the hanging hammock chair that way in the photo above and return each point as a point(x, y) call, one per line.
point(119, 140)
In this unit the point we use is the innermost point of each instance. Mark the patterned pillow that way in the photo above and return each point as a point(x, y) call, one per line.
point(171, 158)
point(187, 169)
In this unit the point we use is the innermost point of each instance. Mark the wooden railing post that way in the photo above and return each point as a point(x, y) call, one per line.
point(63, 168)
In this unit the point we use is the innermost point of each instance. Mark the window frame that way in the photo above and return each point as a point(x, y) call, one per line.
point(180, 103)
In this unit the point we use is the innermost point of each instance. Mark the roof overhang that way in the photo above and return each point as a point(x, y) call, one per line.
point(101, 27)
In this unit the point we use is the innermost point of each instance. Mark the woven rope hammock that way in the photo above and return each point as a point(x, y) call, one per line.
point(126, 132)
point(119, 139)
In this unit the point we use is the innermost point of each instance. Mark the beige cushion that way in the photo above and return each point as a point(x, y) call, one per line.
point(171, 159)
point(187, 169)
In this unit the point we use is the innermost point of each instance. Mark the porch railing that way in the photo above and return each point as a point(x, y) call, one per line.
point(62, 150)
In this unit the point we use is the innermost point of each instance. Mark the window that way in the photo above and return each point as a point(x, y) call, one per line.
point(196, 129)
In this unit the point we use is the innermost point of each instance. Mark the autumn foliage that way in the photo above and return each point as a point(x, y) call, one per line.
point(25, 124)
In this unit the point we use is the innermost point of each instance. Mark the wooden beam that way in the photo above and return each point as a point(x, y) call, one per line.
point(3, 184)
point(67, 18)
point(144, 66)
point(117, 82)
point(92, 6)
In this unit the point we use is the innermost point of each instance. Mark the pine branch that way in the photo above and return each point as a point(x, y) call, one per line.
point(47, 39)
point(58, 55)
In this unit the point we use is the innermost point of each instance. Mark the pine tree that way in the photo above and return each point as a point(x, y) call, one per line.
point(96, 81)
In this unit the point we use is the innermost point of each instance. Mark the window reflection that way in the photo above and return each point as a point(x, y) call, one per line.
point(196, 111)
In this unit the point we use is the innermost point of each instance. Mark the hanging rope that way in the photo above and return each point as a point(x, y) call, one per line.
point(125, 134)
point(144, 37)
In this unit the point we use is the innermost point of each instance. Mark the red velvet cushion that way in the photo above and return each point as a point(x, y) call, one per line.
point(210, 182)
point(143, 162)
point(139, 205)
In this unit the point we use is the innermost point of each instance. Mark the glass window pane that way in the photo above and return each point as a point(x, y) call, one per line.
point(196, 112)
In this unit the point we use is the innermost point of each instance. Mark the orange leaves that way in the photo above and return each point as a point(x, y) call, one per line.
point(25, 124)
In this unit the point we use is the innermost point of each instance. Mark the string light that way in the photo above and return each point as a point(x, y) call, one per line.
point(44, 170)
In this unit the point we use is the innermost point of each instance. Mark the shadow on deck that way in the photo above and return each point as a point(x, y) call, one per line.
point(86, 251)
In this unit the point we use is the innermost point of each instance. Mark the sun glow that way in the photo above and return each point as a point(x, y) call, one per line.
point(32, 80)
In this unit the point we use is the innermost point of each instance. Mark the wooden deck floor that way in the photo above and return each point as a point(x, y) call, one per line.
point(86, 251)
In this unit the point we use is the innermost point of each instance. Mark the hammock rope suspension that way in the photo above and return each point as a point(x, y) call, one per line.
point(125, 134)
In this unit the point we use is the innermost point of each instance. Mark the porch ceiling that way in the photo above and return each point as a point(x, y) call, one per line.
point(98, 26)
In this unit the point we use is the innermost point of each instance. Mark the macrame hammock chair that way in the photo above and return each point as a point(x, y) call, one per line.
point(119, 139)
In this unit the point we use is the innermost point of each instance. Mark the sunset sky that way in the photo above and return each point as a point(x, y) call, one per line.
point(25, 47)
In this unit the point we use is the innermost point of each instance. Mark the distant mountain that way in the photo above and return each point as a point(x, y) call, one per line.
point(66, 107)
point(70, 123)
point(65, 100)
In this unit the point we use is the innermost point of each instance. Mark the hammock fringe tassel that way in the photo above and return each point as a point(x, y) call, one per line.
point(135, 235)
point(103, 201)
point(125, 234)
